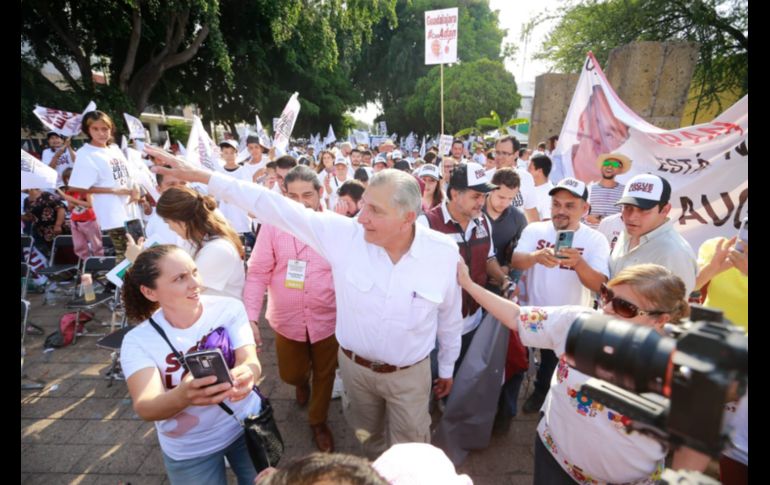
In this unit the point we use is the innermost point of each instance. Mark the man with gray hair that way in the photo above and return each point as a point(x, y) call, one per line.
point(396, 292)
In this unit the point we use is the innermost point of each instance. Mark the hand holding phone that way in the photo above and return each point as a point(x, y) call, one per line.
point(135, 228)
point(563, 240)
point(209, 362)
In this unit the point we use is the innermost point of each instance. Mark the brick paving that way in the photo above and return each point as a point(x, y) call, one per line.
point(78, 430)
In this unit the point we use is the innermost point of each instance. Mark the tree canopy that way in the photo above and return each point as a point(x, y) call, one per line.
point(471, 91)
point(719, 26)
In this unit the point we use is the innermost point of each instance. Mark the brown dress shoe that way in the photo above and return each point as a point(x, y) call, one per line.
point(302, 394)
point(322, 436)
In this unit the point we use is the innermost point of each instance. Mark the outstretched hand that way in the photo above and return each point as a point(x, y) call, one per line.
point(180, 168)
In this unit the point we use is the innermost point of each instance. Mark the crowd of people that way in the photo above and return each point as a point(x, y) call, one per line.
point(381, 264)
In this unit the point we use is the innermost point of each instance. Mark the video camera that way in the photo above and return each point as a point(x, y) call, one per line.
point(679, 385)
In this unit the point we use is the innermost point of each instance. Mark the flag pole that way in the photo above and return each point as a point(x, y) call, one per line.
point(442, 98)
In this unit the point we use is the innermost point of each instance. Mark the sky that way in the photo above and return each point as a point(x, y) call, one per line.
point(512, 15)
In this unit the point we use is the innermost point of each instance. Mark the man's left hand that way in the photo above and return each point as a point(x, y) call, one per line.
point(441, 387)
point(570, 257)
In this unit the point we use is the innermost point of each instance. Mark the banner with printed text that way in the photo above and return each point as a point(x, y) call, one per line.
point(36, 174)
point(707, 165)
point(284, 125)
point(64, 123)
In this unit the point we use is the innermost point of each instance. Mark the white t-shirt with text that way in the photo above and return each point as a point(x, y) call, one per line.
point(106, 168)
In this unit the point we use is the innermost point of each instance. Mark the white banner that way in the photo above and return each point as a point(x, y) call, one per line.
point(36, 174)
point(422, 147)
point(707, 165)
point(140, 172)
point(64, 123)
point(201, 148)
point(282, 130)
point(441, 36)
point(182, 150)
point(135, 127)
point(444, 145)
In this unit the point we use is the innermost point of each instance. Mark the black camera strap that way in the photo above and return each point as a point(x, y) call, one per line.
point(181, 360)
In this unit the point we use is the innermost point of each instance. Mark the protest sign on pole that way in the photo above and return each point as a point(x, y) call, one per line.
point(135, 127)
point(444, 145)
point(383, 128)
point(441, 43)
point(36, 174)
point(706, 164)
point(362, 137)
point(64, 123)
point(202, 149)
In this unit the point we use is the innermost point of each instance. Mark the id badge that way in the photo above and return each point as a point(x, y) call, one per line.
point(295, 274)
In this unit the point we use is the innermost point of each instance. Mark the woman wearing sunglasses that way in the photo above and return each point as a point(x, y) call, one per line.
point(580, 440)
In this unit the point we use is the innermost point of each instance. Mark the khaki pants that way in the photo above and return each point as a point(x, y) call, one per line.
point(296, 362)
point(401, 396)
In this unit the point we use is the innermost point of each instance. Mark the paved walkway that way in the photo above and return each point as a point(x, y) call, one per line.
point(78, 430)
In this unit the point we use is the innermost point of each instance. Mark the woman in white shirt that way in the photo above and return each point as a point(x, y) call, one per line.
point(580, 440)
point(162, 288)
point(217, 249)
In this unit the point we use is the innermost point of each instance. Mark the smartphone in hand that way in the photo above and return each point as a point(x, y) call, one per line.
point(209, 362)
point(135, 228)
point(743, 236)
point(563, 240)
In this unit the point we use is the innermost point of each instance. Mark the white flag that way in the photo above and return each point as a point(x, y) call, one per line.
point(330, 138)
point(135, 127)
point(64, 123)
point(140, 173)
point(422, 148)
point(167, 144)
point(36, 174)
point(260, 129)
point(182, 150)
point(203, 151)
point(282, 130)
point(124, 145)
point(243, 133)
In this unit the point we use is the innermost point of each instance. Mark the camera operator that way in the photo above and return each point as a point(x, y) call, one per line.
point(578, 438)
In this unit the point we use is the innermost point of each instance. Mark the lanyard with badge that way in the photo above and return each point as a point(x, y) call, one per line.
point(296, 270)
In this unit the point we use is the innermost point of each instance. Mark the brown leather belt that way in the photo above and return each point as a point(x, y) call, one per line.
point(379, 367)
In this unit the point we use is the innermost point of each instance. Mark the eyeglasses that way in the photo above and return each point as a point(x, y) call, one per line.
point(611, 163)
point(623, 308)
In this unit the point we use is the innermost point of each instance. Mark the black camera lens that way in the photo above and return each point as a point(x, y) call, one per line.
point(633, 357)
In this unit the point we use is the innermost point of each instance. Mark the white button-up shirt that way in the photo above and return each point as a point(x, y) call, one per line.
point(391, 313)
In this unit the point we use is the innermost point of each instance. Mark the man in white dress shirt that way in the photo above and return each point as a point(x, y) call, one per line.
point(396, 295)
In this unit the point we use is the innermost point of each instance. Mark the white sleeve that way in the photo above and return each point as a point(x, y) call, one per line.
point(84, 173)
point(528, 240)
point(449, 331)
point(547, 327)
point(133, 357)
point(47, 156)
point(326, 232)
point(210, 261)
point(239, 330)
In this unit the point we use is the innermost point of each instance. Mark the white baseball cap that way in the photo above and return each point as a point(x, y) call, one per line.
point(471, 176)
point(572, 185)
point(646, 191)
point(429, 170)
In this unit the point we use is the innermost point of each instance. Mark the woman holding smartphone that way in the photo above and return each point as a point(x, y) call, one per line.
point(195, 434)
point(217, 249)
point(580, 440)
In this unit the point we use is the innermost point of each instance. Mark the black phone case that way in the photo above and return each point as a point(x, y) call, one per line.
point(207, 363)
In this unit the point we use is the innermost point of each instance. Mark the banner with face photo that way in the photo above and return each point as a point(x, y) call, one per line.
point(707, 165)
point(64, 123)
point(441, 36)
point(36, 174)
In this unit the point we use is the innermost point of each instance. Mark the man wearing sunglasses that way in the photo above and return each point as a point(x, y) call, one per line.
point(604, 194)
point(567, 278)
point(649, 235)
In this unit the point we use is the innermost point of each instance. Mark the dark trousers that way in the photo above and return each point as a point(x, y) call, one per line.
point(509, 395)
point(548, 361)
point(547, 469)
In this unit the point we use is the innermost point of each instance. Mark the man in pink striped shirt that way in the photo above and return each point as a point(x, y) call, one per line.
point(301, 307)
